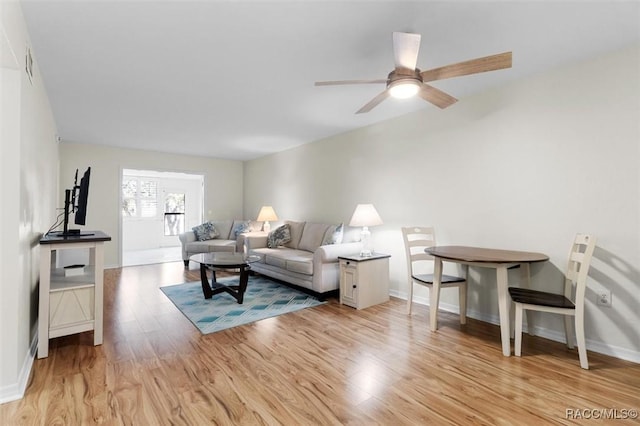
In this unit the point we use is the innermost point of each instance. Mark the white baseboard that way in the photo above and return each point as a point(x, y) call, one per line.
point(592, 345)
point(16, 391)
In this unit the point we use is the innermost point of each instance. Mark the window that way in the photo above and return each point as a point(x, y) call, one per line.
point(139, 197)
point(173, 214)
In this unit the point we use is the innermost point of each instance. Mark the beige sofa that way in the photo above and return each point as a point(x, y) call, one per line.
point(226, 241)
point(305, 261)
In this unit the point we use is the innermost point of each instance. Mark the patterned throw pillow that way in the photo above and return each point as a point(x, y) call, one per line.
point(334, 236)
point(279, 236)
point(241, 228)
point(338, 234)
point(205, 232)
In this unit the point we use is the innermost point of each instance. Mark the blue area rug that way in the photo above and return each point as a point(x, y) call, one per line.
point(264, 298)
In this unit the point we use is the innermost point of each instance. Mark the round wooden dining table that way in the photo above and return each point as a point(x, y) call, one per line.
point(501, 261)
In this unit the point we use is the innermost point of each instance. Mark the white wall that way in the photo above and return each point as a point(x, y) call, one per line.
point(29, 169)
point(222, 181)
point(524, 167)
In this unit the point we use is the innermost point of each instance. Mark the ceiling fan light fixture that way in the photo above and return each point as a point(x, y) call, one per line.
point(403, 89)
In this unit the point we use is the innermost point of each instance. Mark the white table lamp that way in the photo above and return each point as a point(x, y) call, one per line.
point(365, 215)
point(266, 214)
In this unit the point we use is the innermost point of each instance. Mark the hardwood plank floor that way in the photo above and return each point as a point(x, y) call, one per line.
point(326, 365)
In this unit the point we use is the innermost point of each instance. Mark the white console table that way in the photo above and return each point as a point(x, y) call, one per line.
point(70, 304)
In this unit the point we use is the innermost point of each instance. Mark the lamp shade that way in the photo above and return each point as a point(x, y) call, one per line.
point(365, 215)
point(267, 214)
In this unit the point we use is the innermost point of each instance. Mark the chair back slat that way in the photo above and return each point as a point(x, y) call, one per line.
point(578, 268)
point(416, 239)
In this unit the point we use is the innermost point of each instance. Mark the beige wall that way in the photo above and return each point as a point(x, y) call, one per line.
point(29, 173)
point(223, 184)
point(524, 167)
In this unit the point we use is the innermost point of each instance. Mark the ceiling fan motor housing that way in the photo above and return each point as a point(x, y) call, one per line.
point(404, 83)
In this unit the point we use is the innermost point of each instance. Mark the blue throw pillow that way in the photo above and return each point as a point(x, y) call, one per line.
point(279, 236)
point(241, 228)
point(205, 232)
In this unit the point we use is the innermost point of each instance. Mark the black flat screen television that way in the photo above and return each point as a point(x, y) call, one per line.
point(83, 196)
point(75, 201)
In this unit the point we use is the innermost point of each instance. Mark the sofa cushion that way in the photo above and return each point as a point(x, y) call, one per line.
point(300, 261)
point(262, 253)
point(275, 260)
point(312, 236)
point(279, 236)
point(224, 228)
point(210, 245)
point(296, 233)
point(206, 231)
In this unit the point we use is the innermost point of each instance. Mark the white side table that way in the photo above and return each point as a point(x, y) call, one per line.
point(70, 304)
point(364, 281)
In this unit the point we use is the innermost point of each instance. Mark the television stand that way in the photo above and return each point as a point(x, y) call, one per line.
point(70, 304)
point(71, 233)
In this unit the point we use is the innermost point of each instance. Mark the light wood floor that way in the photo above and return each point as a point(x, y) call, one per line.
point(325, 365)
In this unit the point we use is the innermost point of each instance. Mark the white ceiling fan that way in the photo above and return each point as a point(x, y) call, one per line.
point(407, 80)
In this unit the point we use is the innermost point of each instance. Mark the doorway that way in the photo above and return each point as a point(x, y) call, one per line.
point(155, 208)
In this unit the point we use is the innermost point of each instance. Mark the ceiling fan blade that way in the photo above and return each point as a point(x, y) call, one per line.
point(405, 50)
point(374, 102)
point(436, 96)
point(342, 82)
point(473, 66)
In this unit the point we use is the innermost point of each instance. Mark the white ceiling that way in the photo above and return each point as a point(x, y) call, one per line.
point(234, 79)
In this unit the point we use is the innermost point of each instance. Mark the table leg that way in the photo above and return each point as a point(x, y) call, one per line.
point(503, 307)
point(242, 287)
point(206, 288)
point(462, 295)
point(96, 257)
point(434, 297)
point(209, 289)
point(43, 305)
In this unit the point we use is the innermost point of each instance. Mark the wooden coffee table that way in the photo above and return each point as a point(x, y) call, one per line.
point(224, 260)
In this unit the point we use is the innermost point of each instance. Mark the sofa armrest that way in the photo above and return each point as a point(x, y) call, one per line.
point(252, 241)
point(187, 237)
point(241, 242)
point(331, 252)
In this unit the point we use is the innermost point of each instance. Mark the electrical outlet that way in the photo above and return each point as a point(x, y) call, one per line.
point(604, 298)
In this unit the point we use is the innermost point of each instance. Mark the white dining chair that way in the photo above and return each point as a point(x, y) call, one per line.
point(575, 280)
point(416, 239)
